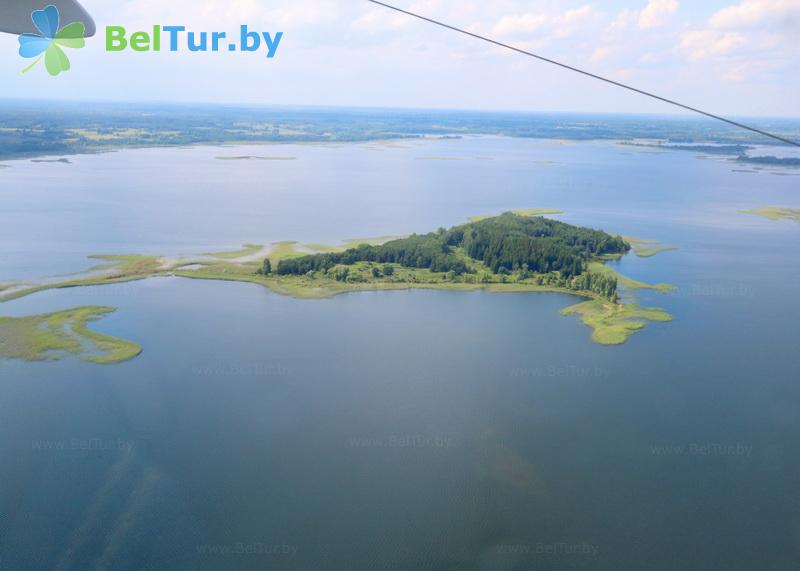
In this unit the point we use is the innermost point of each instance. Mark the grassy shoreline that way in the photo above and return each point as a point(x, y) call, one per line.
point(612, 322)
point(51, 336)
point(647, 248)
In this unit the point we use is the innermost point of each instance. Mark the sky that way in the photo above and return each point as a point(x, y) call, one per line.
point(738, 58)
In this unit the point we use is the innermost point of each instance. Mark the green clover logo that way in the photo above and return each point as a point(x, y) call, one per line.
point(48, 45)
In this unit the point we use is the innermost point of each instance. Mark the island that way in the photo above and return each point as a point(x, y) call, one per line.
point(770, 160)
point(510, 248)
point(51, 335)
point(647, 248)
point(256, 158)
point(775, 213)
point(522, 212)
point(512, 252)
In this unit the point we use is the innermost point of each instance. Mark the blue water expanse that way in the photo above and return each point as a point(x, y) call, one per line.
point(412, 429)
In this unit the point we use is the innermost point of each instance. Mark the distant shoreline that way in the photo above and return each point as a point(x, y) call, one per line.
point(63, 129)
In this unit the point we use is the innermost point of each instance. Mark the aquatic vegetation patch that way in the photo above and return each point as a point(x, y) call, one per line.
point(247, 250)
point(352, 243)
point(53, 336)
point(613, 323)
point(127, 264)
point(775, 213)
point(626, 282)
point(120, 268)
point(647, 248)
point(521, 212)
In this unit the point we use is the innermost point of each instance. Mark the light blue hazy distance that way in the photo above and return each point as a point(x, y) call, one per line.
point(731, 57)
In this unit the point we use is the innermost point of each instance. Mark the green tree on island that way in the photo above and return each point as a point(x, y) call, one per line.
point(501, 249)
point(266, 269)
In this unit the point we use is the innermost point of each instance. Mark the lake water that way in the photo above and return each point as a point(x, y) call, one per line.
point(403, 430)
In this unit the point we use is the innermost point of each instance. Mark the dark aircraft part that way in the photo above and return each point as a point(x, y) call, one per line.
point(15, 15)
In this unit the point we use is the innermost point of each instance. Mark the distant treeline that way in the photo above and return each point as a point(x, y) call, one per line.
point(771, 160)
point(503, 244)
point(710, 149)
point(30, 128)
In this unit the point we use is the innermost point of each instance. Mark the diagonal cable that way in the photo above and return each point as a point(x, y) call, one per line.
point(586, 73)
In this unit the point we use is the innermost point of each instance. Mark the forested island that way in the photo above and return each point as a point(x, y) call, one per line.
point(503, 248)
point(738, 152)
point(513, 252)
point(717, 149)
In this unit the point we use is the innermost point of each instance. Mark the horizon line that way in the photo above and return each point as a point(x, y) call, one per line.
point(291, 106)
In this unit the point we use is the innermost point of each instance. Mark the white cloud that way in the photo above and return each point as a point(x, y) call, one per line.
point(600, 53)
point(279, 13)
point(748, 41)
point(750, 13)
point(744, 56)
point(703, 44)
point(544, 25)
point(572, 21)
point(521, 24)
point(296, 14)
point(623, 74)
point(624, 21)
point(656, 13)
point(640, 38)
point(379, 20)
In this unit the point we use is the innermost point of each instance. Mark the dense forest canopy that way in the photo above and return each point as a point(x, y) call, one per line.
point(503, 244)
point(510, 241)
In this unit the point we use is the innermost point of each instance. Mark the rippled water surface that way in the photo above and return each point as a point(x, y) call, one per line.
point(419, 429)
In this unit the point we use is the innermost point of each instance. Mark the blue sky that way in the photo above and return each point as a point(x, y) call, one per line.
point(737, 57)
